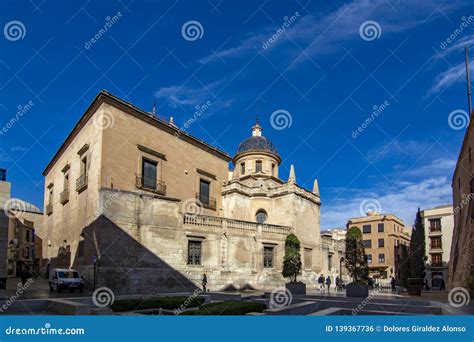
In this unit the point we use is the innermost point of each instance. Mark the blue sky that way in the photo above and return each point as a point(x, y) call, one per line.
point(325, 68)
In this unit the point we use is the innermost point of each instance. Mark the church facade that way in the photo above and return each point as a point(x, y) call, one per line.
point(141, 206)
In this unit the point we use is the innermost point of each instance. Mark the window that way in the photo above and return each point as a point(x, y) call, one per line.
point(242, 168)
point(258, 166)
point(66, 180)
point(268, 253)
point(261, 216)
point(367, 243)
point(149, 172)
point(380, 227)
point(308, 258)
point(436, 259)
point(84, 166)
point(369, 258)
point(435, 242)
point(273, 169)
point(204, 191)
point(381, 243)
point(329, 261)
point(194, 252)
point(435, 224)
point(381, 258)
point(26, 252)
point(366, 229)
point(50, 195)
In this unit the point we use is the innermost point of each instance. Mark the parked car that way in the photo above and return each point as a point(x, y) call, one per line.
point(65, 279)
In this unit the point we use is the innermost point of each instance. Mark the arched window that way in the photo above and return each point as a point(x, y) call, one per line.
point(261, 216)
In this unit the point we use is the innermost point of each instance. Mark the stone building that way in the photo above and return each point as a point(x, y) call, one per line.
point(461, 261)
point(157, 208)
point(334, 247)
point(23, 230)
point(382, 235)
point(439, 225)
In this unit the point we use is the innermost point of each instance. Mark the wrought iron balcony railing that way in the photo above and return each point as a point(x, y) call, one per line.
point(81, 182)
point(64, 196)
point(150, 184)
point(49, 209)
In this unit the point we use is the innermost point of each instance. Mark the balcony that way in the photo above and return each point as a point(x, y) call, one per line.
point(49, 209)
point(64, 196)
point(221, 223)
point(207, 201)
point(81, 183)
point(435, 230)
point(150, 184)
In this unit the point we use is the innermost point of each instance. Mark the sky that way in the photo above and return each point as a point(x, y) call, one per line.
point(367, 97)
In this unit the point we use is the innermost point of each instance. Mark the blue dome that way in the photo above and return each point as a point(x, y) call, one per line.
point(257, 144)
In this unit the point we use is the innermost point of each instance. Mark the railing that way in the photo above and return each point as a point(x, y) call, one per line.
point(81, 182)
point(207, 201)
point(271, 228)
point(64, 196)
point(49, 209)
point(242, 225)
point(203, 221)
point(434, 229)
point(150, 184)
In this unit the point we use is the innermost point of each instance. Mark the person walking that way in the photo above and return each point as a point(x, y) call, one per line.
point(321, 283)
point(328, 282)
point(338, 283)
point(442, 286)
point(393, 282)
point(204, 282)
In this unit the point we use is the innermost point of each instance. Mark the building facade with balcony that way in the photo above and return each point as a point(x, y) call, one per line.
point(155, 207)
point(439, 226)
point(382, 235)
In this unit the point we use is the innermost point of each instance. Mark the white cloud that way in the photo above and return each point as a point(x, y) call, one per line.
point(454, 74)
point(322, 33)
point(402, 202)
point(183, 95)
point(398, 147)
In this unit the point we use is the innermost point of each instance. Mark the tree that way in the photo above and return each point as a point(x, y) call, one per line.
point(417, 248)
point(292, 261)
point(404, 265)
point(356, 260)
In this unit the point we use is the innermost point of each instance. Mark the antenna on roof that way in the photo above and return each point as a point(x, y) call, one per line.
point(469, 103)
point(256, 118)
point(154, 107)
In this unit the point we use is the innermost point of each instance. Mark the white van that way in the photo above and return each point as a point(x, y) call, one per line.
point(65, 279)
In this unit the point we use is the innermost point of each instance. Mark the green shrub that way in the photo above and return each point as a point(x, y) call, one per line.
point(227, 308)
point(167, 303)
